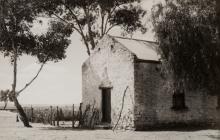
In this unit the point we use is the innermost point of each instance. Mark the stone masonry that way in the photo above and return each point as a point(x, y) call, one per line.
point(110, 66)
point(148, 99)
point(153, 102)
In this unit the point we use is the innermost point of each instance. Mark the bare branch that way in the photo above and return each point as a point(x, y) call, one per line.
point(106, 23)
point(92, 42)
point(110, 28)
point(80, 28)
point(102, 22)
point(29, 83)
point(122, 106)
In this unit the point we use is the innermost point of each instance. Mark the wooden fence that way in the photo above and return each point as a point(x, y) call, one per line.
point(54, 114)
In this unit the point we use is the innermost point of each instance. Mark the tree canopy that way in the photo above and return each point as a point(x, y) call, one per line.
point(92, 19)
point(16, 39)
point(16, 22)
point(187, 35)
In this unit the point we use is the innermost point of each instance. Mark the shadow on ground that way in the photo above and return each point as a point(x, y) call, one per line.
point(181, 128)
point(66, 128)
point(214, 137)
point(186, 129)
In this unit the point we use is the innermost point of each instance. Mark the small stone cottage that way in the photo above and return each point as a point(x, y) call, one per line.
point(122, 80)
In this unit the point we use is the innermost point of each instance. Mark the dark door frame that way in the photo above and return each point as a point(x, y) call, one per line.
point(106, 105)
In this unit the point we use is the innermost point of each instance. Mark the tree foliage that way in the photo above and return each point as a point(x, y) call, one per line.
point(4, 95)
point(16, 39)
point(16, 21)
point(92, 19)
point(187, 35)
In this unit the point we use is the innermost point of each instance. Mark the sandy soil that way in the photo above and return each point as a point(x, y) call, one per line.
point(10, 130)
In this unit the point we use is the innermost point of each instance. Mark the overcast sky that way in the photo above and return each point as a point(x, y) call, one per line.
point(58, 83)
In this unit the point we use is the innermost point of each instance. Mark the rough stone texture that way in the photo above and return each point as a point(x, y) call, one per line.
point(153, 102)
point(146, 85)
point(148, 100)
point(110, 66)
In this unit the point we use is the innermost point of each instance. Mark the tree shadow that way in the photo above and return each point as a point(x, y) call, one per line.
point(179, 128)
point(66, 129)
point(214, 137)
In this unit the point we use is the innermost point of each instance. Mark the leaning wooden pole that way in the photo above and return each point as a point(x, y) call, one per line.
point(122, 106)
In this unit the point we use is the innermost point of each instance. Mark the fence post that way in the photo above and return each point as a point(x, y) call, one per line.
point(57, 116)
point(80, 110)
point(73, 117)
point(32, 113)
point(80, 114)
point(54, 116)
point(51, 116)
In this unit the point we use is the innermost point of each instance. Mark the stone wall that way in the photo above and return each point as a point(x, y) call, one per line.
point(146, 85)
point(153, 101)
point(148, 100)
point(111, 65)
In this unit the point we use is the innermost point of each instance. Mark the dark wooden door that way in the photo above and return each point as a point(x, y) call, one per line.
point(106, 105)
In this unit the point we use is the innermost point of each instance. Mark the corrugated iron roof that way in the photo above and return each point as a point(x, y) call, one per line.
point(145, 50)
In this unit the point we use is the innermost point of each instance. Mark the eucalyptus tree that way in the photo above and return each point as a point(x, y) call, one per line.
point(92, 19)
point(187, 32)
point(16, 39)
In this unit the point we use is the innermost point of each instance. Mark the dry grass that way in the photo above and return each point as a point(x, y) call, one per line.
point(10, 130)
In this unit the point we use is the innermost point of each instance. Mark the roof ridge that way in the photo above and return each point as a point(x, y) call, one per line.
point(133, 39)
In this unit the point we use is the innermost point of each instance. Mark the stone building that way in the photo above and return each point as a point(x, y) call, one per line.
point(122, 79)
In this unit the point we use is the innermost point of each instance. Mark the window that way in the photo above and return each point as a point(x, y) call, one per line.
point(179, 100)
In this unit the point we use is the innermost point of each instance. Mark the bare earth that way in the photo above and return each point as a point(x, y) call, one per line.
point(10, 130)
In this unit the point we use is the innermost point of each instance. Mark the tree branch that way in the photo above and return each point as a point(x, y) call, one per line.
point(122, 106)
point(110, 28)
point(80, 31)
point(102, 22)
point(92, 42)
point(68, 23)
point(109, 15)
point(106, 23)
point(29, 83)
point(80, 28)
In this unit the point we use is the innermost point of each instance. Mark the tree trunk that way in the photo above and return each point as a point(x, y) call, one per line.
point(6, 103)
point(20, 110)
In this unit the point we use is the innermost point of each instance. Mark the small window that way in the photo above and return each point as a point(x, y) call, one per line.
point(179, 100)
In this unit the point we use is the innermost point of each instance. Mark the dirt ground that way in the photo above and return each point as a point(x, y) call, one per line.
point(10, 130)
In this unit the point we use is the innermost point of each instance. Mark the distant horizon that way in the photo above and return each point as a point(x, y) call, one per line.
point(10, 104)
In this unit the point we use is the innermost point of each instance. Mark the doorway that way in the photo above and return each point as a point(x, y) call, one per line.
point(106, 105)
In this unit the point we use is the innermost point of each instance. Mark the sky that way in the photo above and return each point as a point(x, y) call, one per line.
point(58, 83)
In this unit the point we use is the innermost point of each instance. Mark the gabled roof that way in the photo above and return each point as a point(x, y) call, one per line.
point(145, 50)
